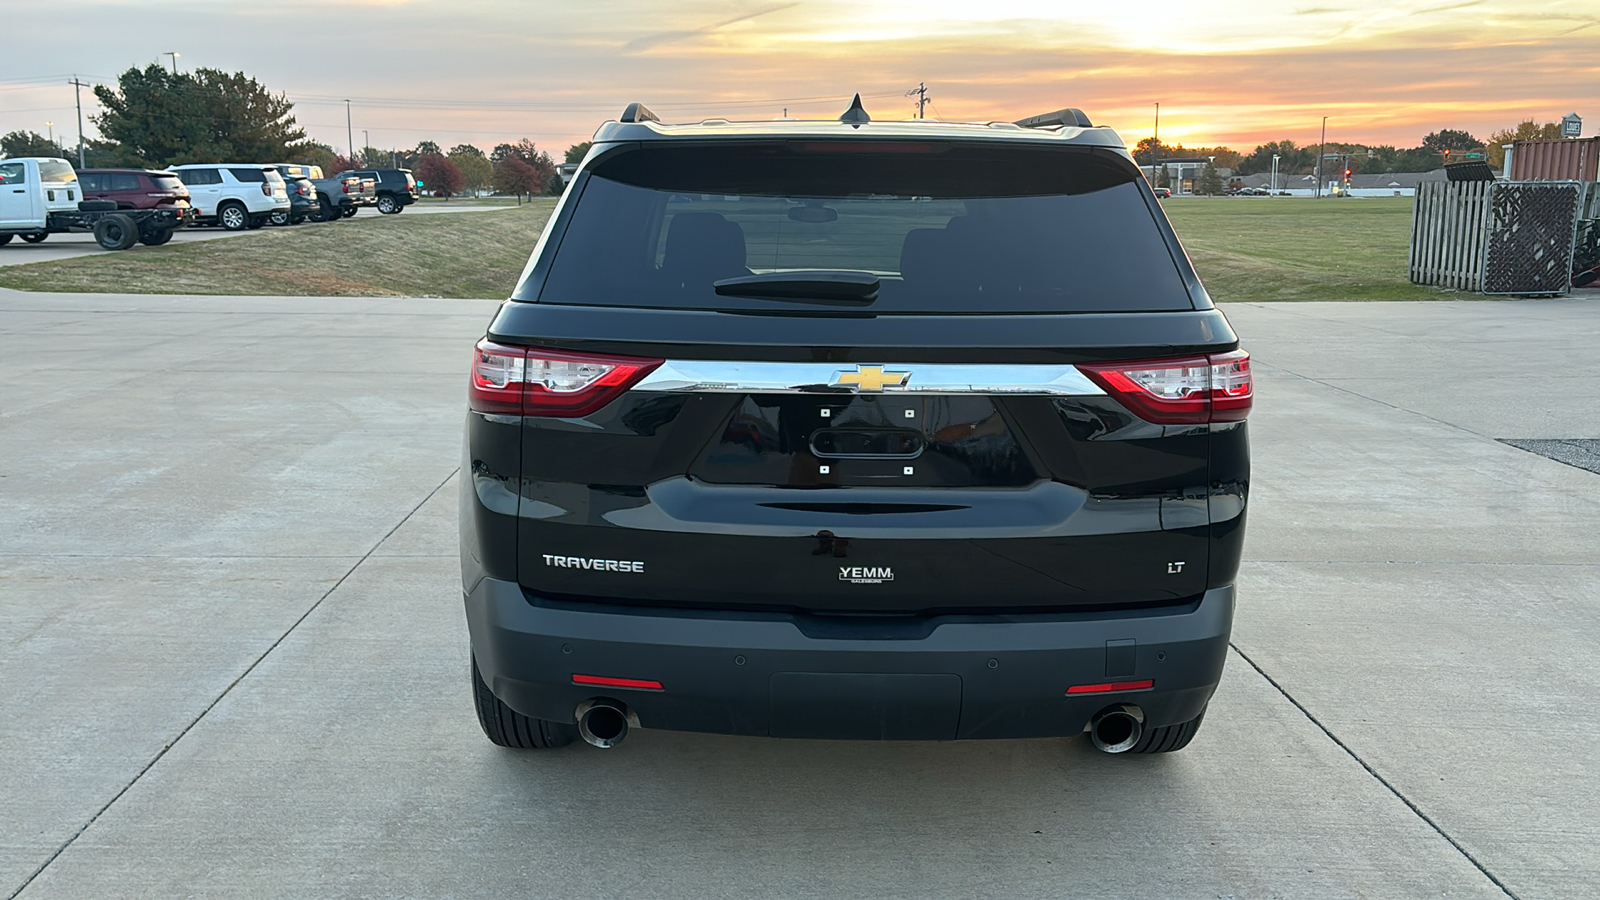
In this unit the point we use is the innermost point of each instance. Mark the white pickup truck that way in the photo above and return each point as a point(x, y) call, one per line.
point(41, 196)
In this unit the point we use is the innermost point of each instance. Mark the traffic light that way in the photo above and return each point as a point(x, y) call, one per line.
point(1446, 154)
point(1346, 174)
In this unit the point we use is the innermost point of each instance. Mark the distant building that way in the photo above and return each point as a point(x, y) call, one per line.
point(1387, 184)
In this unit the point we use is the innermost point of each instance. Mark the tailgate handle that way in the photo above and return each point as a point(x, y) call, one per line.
point(893, 443)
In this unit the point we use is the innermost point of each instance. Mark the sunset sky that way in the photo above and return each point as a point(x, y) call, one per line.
point(487, 71)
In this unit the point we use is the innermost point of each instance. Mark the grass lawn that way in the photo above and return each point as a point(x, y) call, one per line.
point(1246, 248)
point(473, 254)
point(1292, 248)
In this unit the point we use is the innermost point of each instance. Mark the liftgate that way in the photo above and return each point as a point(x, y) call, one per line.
point(1499, 237)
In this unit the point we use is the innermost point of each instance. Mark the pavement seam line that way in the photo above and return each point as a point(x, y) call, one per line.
point(161, 754)
point(1415, 809)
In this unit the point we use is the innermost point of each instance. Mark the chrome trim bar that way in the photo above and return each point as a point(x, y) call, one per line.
point(717, 377)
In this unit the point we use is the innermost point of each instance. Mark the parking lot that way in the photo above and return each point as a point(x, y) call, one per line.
point(68, 246)
point(233, 659)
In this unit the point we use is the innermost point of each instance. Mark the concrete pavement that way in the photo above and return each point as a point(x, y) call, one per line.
point(233, 657)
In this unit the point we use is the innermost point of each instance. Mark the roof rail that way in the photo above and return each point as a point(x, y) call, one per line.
point(1069, 116)
point(636, 112)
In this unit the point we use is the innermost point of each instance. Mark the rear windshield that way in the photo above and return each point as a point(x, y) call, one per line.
point(972, 229)
point(167, 182)
point(56, 171)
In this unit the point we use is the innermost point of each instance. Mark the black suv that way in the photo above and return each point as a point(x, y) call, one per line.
point(396, 188)
point(849, 429)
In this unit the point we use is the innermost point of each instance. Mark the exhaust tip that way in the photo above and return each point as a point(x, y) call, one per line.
point(1116, 729)
point(602, 723)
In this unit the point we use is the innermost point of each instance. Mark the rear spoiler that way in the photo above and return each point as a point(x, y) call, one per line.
point(1069, 117)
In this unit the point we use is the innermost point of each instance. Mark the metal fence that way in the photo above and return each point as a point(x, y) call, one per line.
point(1498, 237)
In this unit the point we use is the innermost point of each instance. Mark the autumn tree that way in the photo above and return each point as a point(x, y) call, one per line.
point(339, 163)
point(513, 175)
point(440, 175)
point(1526, 130)
point(526, 151)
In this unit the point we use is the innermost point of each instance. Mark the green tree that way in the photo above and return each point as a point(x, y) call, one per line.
point(424, 148)
point(477, 173)
point(1210, 181)
point(577, 152)
point(157, 118)
point(314, 153)
point(1526, 130)
point(29, 143)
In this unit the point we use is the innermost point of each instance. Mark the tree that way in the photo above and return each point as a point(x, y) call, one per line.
point(340, 163)
point(440, 175)
point(477, 173)
point(1210, 181)
point(158, 118)
point(29, 143)
point(1526, 130)
point(424, 148)
point(314, 153)
point(512, 175)
point(1454, 141)
point(577, 152)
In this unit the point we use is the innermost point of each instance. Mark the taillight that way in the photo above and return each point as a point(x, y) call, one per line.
point(346, 187)
point(1187, 390)
point(538, 382)
point(266, 189)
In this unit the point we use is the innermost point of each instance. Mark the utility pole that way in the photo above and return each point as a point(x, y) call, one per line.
point(366, 141)
point(349, 133)
point(1155, 152)
point(921, 93)
point(1322, 145)
point(174, 54)
point(78, 87)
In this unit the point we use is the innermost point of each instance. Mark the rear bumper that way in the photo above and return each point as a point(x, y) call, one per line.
point(958, 677)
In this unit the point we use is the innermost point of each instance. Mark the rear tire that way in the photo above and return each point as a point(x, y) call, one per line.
point(157, 238)
point(506, 727)
point(350, 211)
point(388, 205)
point(116, 232)
point(258, 221)
point(327, 212)
point(36, 237)
point(4, 239)
point(233, 216)
point(278, 217)
point(1168, 738)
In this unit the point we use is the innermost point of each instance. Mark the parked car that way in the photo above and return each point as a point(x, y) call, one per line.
point(303, 201)
point(395, 189)
point(135, 188)
point(41, 196)
point(898, 431)
point(235, 196)
point(295, 169)
point(1162, 193)
point(337, 197)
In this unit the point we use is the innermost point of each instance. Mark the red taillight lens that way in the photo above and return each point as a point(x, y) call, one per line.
point(1188, 390)
point(266, 189)
point(638, 684)
point(1111, 687)
point(538, 382)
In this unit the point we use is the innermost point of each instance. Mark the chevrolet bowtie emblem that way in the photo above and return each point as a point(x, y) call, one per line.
point(871, 378)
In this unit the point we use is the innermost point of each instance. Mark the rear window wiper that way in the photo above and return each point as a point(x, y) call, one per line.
point(812, 286)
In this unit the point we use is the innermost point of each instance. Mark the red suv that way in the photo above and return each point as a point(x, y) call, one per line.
point(134, 188)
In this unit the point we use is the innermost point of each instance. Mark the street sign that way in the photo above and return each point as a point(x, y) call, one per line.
point(1571, 126)
point(1472, 155)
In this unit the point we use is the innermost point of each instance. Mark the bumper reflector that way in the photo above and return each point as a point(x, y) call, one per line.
point(602, 681)
point(1109, 687)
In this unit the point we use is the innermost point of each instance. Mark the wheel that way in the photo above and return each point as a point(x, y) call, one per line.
point(116, 232)
point(506, 727)
point(157, 238)
point(36, 237)
point(257, 222)
point(296, 220)
point(388, 205)
point(4, 239)
point(350, 211)
point(327, 212)
point(233, 216)
point(1168, 738)
point(278, 217)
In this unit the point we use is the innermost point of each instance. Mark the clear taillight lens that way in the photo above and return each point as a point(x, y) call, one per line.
point(1188, 390)
point(539, 382)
